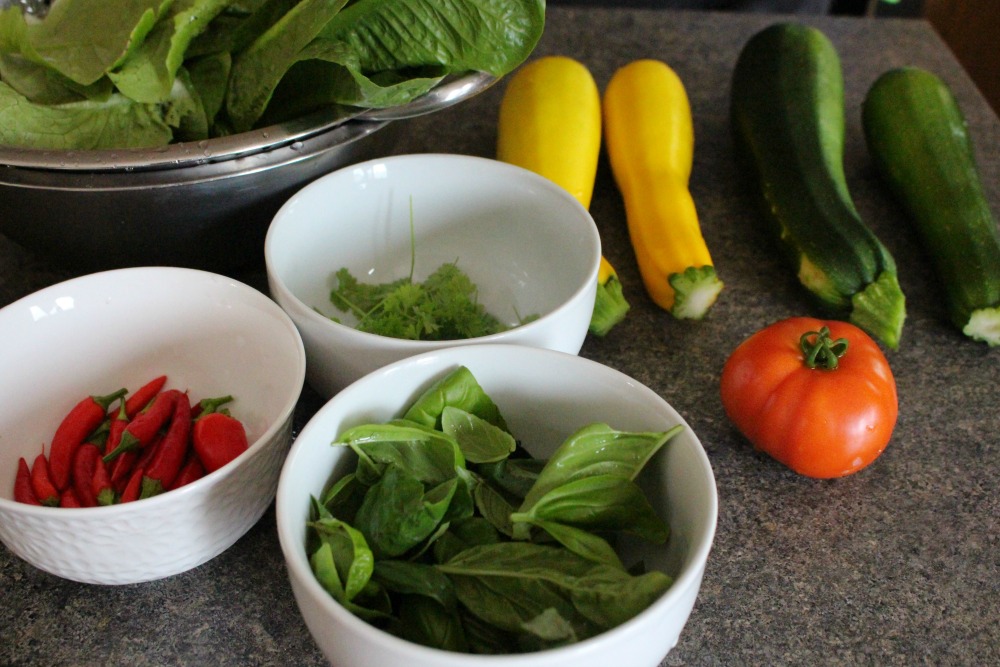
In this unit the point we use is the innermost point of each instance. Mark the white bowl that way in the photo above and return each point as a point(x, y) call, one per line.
point(544, 396)
point(529, 246)
point(92, 335)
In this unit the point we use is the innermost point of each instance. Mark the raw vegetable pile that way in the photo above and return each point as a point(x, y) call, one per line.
point(788, 121)
point(102, 74)
point(154, 441)
point(449, 534)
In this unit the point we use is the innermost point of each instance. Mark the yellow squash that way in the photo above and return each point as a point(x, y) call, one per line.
point(650, 143)
point(550, 123)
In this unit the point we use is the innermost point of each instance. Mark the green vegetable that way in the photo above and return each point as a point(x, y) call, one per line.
point(420, 539)
point(443, 307)
point(108, 73)
point(787, 113)
point(458, 389)
point(918, 137)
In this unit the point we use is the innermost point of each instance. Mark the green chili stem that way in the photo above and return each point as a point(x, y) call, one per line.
point(820, 350)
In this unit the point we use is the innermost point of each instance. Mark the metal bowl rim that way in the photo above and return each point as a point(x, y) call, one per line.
point(221, 149)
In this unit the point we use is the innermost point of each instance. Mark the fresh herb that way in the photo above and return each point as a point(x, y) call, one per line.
point(449, 534)
point(443, 307)
point(101, 74)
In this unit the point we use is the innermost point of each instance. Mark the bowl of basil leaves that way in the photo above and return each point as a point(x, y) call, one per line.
point(146, 132)
point(500, 505)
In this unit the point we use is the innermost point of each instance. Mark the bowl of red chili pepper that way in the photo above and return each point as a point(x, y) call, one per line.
point(147, 415)
point(496, 504)
point(427, 251)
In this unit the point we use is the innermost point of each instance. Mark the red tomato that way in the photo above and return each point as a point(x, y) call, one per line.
point(821, 422)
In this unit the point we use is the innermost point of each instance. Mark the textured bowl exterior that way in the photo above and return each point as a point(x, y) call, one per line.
point(209, 334)
point(156, 538)
point(529, 247)
point(544, 395)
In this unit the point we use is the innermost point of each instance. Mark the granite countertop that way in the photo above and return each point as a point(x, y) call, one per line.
point(896, 565)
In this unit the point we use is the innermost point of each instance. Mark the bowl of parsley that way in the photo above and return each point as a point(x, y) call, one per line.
point(393, 257)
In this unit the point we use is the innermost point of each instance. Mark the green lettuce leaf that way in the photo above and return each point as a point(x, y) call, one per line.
point(258, 69)
point(116, 123)
point(84, 39)
point(147, 73)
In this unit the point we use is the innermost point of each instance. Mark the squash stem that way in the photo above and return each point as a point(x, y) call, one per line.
point(880, 309)
point(695, 290)
point(610, 306)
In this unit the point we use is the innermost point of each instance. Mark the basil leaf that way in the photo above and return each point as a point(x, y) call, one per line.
point(487, 639)
point(597, 449)
point(458, 389)
point(428, 455)
point(551, 628)
point(581, 542)
point(494, 508)
point(351, 558)
point(344, 497)
point(513, 582)
point(512, 476)
point(608, 600)
point(509, 583)
point(415, 579)
point(479, 440)
point(397, 515)
point(424, 621)
point(464, 534)
point(602, 503)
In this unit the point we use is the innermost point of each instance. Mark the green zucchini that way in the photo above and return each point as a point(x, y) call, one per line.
point(919, 141)
point(787, 115)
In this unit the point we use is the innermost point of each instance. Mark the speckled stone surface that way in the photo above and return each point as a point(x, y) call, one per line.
point(897, 565)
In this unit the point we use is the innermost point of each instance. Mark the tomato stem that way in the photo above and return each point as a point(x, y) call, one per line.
point(820, 350)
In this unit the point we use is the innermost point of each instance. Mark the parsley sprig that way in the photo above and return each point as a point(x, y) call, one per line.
point(443, 307)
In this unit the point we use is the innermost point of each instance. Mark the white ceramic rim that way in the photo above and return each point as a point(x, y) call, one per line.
point(125, 509)
point(418, 346)
point(689, 577)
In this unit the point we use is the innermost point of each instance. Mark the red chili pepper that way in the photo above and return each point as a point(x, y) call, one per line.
point(121, 469)
point(207, 405)
point(127, 462)
point(84, 464)
point(75, 427)
point(141, 430)
point(141, 398)
point(116, 426)
point(68, 499)
point(131, 491)
point(100, 483)
point(218, 439)
point(100, 435)
point(193, 470)
point(169, 457)
point(23, 493)
point(45, 491)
